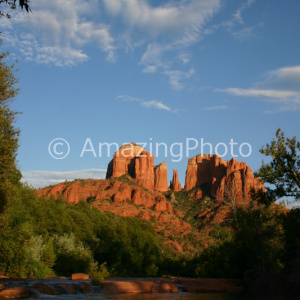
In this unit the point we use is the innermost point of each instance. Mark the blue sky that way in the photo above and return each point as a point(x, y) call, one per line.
point(149, 71)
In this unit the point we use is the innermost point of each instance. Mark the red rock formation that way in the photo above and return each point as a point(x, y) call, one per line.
point(196, 195)
point(202, 169)
point(238, 184)
point(139, 164)
point(175, 185)
point(224, 179)
point(161, 177)
point(133, 160)
point(144, 170)
point(98, 190)
point(123, 161)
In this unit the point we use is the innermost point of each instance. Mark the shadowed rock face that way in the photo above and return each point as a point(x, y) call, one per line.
point(225, 179)
point(175, 185)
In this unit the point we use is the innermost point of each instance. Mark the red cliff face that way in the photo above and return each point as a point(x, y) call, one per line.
point(161, 177)
point(133, 160)
point(123, 161)
point(225, 179)
point(175, 185)
point(238, 184)
point(100, 190)
point(139, 164)
point(144, 170)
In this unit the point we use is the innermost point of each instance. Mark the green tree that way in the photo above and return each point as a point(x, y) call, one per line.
point(258, 238)
point(9, 134)
point(283, 172)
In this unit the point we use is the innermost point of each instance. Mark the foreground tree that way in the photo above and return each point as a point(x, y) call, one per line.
point(9, 174)
point(24, 4)
point(283, 172)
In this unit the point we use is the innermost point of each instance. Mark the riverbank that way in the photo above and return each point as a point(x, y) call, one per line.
point(36, 288)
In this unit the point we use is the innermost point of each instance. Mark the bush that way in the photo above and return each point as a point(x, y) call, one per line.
point(98, 273)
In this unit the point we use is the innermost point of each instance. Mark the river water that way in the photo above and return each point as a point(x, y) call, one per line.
point(138, 296)
point(160, 296)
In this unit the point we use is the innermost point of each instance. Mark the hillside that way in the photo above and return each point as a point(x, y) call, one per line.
point(186, 218)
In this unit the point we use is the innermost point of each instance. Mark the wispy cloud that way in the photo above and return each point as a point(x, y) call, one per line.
point(237, 16)
point(176, 77)
point(154, 61)
point(170, 29)
point(169, 19)
point(220, 107)
point(148, 104)
point(155, 104)
point(274, 94)
point(40, 179)
point(280, 87)
point(236, 25)
point(57, 31)
point(283, 78)
point(246, 33)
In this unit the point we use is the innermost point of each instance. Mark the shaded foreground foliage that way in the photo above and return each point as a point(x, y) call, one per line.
point(41, 237)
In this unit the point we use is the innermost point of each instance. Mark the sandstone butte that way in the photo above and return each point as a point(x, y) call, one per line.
point(139, 164)
point(223, 179)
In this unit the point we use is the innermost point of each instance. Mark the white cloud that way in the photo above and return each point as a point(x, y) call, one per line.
point(245, 34)
point(148, 104)
point(275, 94)
point(236, 25)
point(171, 28)
point(237, 16)
point(284, 78)
point(154, 55)
point(155, 104)
point(176, 77)
point(280, 87)
point(40, 179)
point(184, 58)
point(154, 61)
point(59, 30)
point(150, 69)
point(171, 18)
